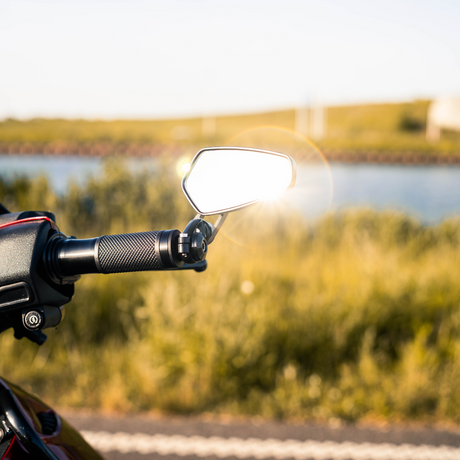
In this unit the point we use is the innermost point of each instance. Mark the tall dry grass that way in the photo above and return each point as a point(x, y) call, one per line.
point(355, 316)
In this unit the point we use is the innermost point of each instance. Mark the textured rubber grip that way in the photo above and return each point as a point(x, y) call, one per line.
point(131, 252)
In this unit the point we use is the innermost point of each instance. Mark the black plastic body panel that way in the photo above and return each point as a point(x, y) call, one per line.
point(15, 294)
point(3, 210)
point(21, 250)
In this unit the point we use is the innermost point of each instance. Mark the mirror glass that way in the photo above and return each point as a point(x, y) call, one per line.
point(223, 179)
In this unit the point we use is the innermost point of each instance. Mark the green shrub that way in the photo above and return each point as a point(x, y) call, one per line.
point(356, 316)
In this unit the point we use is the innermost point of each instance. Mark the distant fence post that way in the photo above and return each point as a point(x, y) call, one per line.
point(302, 120)
point(318, 131)
point(311, 121)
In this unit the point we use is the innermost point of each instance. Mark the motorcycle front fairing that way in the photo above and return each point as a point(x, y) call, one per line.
point(38, 431)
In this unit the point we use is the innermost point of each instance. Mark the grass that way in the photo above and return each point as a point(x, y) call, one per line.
point(371, 128)
point(356, 316)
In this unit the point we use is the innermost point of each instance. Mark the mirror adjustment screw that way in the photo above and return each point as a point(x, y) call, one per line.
point(33, 320)
point(199, 247)
point(192, 249)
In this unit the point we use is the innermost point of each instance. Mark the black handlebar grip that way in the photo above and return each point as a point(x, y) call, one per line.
point(66, 258)
point(132, 252)
point(135, 252)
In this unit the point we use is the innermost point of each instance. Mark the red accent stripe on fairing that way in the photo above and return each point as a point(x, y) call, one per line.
point(9, 448)
point(30, 219)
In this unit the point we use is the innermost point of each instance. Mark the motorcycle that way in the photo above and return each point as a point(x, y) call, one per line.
point(39, 266)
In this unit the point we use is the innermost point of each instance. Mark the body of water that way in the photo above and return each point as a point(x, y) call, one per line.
point(58, 169)
point(430, 193)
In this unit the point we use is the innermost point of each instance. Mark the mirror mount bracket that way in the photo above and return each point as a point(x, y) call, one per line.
point(192, 243)
point(194, 240)
point(216, 227)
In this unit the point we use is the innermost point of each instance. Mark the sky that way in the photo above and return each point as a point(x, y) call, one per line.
point(171, 58)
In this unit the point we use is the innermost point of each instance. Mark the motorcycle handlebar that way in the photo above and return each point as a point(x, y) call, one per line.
point(130, 252)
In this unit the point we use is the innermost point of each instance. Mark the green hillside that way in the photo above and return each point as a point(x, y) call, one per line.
point(363, 129)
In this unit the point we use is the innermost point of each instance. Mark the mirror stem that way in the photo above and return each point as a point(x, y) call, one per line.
point(217, 226)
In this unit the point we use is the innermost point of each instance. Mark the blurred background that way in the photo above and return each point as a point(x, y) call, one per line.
point(353, 312)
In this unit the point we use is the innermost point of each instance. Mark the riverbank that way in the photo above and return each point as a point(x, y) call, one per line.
point(403, 157)
point(154, 150)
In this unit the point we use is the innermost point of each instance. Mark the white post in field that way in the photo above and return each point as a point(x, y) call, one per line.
point(318, 130)
point(302, 120)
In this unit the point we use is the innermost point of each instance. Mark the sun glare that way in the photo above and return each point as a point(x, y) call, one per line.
point(231, 178)
point(272, 195)
point(182, 166)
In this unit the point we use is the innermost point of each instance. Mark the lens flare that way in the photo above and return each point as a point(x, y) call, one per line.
point(309, 199)
point(273, 195)
point(183, 165)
